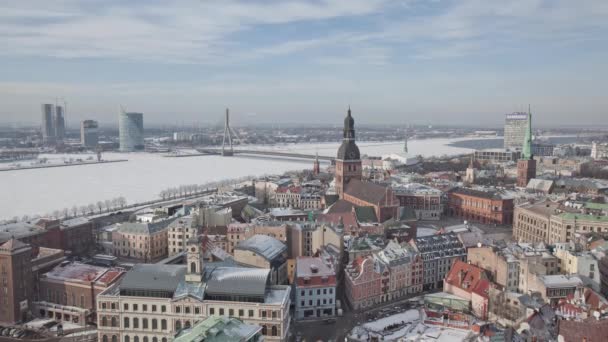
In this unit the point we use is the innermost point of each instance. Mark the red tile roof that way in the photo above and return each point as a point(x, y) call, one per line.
point(590, 330)
point(468, 277)
point(367, 191)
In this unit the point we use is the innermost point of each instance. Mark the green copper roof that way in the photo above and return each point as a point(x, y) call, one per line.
point(594, 218)
point(526, 152)
point(596, 206)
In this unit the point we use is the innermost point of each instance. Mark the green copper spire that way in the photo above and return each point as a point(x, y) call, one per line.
point(526, 152)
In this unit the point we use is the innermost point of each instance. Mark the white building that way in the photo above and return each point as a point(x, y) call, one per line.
point(599, 151)
point(154, 302)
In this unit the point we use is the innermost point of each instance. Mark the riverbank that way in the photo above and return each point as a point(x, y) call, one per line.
point(48, 166)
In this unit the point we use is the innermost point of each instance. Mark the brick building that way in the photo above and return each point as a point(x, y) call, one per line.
point(16, 277)
point(68, 292)
point(488, 207)
point(438, 253)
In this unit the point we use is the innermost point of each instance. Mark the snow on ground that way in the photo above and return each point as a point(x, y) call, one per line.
point(425, 333)
point(38, 323)
point(422, 231)
point(404, 317)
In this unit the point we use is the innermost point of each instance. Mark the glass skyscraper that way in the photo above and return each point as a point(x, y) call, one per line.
point(131, 131)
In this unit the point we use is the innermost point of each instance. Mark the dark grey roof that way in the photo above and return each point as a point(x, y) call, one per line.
point(237, 281)
point(366, 214)
point(367, 191)
point(153, 277)
point(266, 246)
point(348, 151)
point(192, 289)
point(144, 228)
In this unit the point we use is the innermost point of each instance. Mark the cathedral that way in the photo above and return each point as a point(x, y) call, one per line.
point(353, 192)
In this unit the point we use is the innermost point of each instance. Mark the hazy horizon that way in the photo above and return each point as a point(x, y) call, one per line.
point(412, 61)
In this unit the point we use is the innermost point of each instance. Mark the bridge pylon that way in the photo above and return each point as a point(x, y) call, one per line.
point(228, 136)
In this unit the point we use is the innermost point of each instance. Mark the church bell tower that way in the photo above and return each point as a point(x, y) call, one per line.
point(348, 160)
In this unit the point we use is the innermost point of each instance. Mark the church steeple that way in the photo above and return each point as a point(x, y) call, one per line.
point(526, 152)
point(349, 126)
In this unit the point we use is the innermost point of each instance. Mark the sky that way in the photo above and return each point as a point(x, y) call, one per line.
point(301, 61)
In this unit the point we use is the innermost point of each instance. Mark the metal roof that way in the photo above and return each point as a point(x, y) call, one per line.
point(153, 277)
point(237, 281)
point(266, 246)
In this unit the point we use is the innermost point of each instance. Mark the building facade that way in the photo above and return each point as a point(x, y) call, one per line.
point(427, 202)
point(315, 288)
point(48, 123)
point(155, 302)
point(179, 232)
point(515, 130)
point(16, 276)
point(89, 133)
point(59, 122)
point(438, 253)
point(146, 242)
point(390, 274)
point(131, 131)
point(481, 206)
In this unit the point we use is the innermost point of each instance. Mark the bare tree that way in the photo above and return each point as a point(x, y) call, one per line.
point(91, 208)
point(83, 209)
point(74, 211)
point(107, 204)
point(65, 212)
point(122, 201)
point(99, 206)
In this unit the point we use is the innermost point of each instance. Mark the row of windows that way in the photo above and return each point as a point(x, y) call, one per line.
point(325, 302)
point(310, 292)
point(127, 338)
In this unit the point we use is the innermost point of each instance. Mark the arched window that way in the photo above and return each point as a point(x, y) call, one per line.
point(114, 338)
point(145, 338)
point(187, 325)
point(135, 324)
point(104, 338)
point(113, 321)
point(163, 324)
point(104, 323)
point(164, 339)
point(274, 330)
point(154, 324)
point(154, 339)
point(178, 325)
point(127, 338)
point(193, 267)
point(264, 330)
point(136, 339)
point(126, 322)
point(144, 323)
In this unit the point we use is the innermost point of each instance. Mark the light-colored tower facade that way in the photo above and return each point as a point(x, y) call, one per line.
point(193, 259)
point(526, 166)
point(515, 130)
point(348, 160)
point(131, 131)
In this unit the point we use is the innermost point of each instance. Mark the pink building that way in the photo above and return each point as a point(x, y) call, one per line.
point(390, 274)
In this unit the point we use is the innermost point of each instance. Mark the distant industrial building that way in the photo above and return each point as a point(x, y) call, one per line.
point(48, 126)
point(515, 130)
point(89, 133)
point(131, 131)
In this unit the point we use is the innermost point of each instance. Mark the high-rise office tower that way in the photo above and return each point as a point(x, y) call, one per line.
point(89, 133)
point(515, 130)
point(131, 131)
point(526, 166)
point(48, 123)
point(59, 121)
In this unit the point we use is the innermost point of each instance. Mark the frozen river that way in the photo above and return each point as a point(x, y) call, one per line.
point(41, 191)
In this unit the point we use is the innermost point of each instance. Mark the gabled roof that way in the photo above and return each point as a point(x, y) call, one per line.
point(340, 206)
point(12, 244)
point(153, 277)
point(366, 191)
point(467, 277)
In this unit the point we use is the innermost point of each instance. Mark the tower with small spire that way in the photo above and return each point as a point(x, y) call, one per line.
point(526, 166)
point(194, 261)
point(348, 160)
point(469, 177)
point(316, 168)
